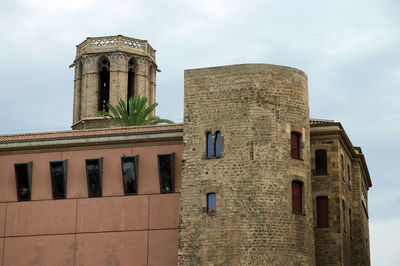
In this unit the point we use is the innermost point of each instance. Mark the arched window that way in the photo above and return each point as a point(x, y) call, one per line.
point(131, 79)
point(320, 162)
point(217, 144)
point(209, 145)
point(322, 212)
point(297, 197)
point(104, 84)
point(295, 144)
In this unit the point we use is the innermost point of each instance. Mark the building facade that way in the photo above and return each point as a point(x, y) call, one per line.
point(247, 179)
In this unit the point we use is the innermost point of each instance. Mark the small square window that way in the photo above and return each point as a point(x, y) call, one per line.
point(94, 171)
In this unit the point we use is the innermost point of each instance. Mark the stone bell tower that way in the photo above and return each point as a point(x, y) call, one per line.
point(108, 69)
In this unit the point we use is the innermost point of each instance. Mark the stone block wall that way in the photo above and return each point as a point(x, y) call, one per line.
point(255, 107)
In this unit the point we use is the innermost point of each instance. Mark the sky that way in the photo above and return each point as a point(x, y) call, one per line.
point(350, 51)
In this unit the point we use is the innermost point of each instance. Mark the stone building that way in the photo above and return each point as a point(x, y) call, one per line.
point(247, 179)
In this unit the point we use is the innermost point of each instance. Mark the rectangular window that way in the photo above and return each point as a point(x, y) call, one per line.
point(23, 178)
point(94, 172)
point(130, 174)
point(322, 212)
point(209, 145)
point(58, 173)
point(320, 162)
point(217, 144)
point(297, 197)
point(295, 145)
point(166, 170)
point(211, 202)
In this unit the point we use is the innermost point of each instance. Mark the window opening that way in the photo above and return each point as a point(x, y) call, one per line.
point(131, 79)
point(130, 174)
point(344, 217)
point(209, 145)
point(23, 176)
point(104, 84)
point(211, 202)
point(58, 173)
point(217, 144)
point(295, 145)
point(320, 162)
point(166, 169)
point(350, 223)
point(342, 165)
point(348, 174)
point(94, 169)
point(322, 212)
point(297, 197)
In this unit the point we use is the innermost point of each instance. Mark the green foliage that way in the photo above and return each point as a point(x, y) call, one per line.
point(137, 115)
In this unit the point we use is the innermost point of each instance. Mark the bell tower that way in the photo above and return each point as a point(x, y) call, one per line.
point(108, 69)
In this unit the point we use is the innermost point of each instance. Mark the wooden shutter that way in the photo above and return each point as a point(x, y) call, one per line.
point(297, 197)
point(322, 212)
point(295, 145)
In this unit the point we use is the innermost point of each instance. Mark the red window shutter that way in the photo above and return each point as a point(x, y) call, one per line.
point(295, 145)
point(322, 212)
point(296, 198)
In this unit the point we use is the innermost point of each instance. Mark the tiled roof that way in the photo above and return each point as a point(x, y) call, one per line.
point(89, 133)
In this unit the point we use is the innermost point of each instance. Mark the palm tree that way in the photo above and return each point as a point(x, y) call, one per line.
point(135, 114)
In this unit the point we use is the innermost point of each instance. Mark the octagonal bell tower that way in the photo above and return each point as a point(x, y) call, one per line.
point(108, 69)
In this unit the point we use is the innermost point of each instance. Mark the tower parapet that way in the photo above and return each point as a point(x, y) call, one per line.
point(108, 69)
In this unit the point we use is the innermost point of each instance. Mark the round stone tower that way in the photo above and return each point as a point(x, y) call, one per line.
point(108, 69)
point(246, 184)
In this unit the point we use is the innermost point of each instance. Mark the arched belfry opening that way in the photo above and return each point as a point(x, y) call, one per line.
point(104, 84)
point(109, 69)
point(132, 65)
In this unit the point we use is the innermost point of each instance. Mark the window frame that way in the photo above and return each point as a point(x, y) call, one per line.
point(300, 202)
point(100, 181)
point(172, 170)
point(28, 166)
point(135, 161)
point(298, 145)
point(64, 164)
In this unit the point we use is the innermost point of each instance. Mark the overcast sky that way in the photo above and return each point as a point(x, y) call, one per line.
point(350, 51)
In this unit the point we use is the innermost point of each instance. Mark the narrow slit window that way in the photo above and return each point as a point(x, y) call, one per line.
point(217, 144)
point(320, 162)
point(295, 145)
point(23, 178)
point(166, 169)
point(348, 174)
point(322, 212)
point(131, 80)
point(58, 173)
point(211, 202)
point(344, 216)
point(130, 174)
point(94, 168)
point(104, 84)
point(297, 197)
point(209, 145)
point(342, 165)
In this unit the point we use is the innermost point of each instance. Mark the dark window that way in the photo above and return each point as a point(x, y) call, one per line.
point(209, 145)
point(320, 162)
point(130, 174)
point(217, 144)
point(344, 216)
point(58, 173)
point(295, 145)
point(350, 223)
point(23, 178)
point(348, 173)
point(131, 80)
point(297, 197)
point(104, 84)
point(166, 168)
point(322, 212)
point(94, 169)
point(342, 165)
point(211, 202)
